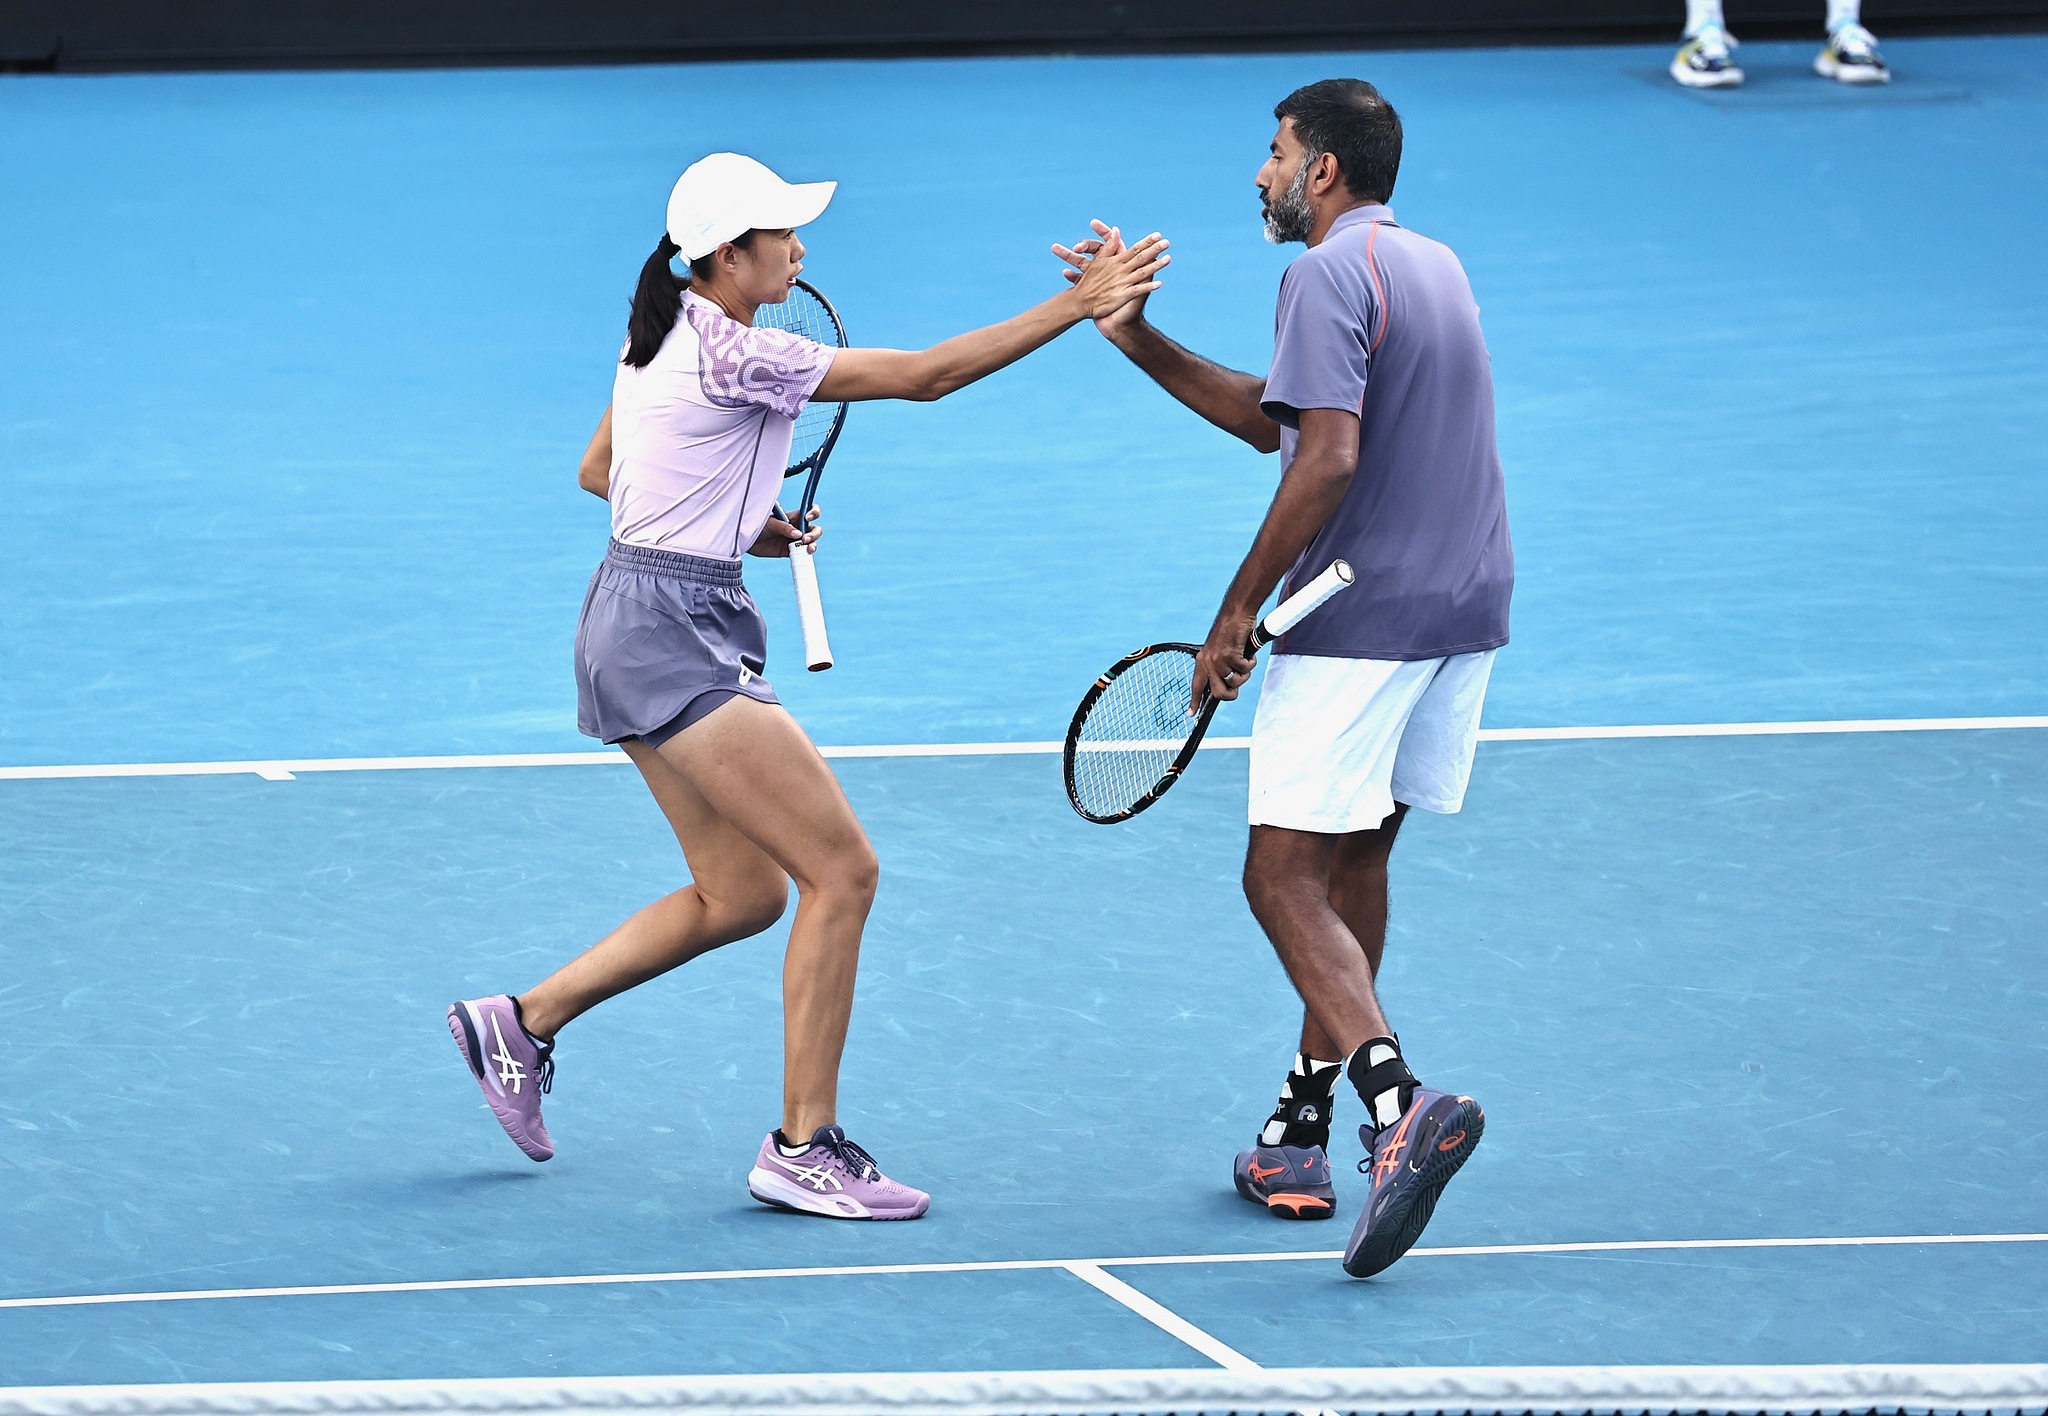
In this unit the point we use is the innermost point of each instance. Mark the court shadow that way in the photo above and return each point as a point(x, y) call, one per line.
point(1774, 85)
point(465, 1181)
point(753, 1212)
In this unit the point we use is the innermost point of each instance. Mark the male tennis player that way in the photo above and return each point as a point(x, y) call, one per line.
point(1380, 403)
point(671, 649)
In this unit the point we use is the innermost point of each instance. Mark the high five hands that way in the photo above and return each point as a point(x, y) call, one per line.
point(1085, 256)
point(1112, 279)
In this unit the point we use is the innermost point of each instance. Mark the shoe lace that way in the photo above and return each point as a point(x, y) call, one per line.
point(1714, 42)
point(853, 1157)
point(1853, 39)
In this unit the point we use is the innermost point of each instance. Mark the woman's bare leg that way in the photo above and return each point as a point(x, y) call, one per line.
point(737, 891)
point(754, 766)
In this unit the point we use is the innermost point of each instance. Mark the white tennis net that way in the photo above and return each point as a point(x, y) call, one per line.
point(1425, 1391)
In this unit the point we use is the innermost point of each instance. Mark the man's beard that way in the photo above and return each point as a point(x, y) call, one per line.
point(1287, 215)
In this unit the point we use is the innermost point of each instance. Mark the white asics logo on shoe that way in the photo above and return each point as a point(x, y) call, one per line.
point(510, 1068)
point(818, 1177)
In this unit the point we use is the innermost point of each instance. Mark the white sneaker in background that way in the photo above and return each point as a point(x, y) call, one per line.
point(1703, 60)
point(1850, 57)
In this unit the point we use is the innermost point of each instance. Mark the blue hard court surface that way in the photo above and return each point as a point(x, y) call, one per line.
point(296, 371)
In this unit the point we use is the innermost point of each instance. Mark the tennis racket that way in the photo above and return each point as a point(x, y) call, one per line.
point(1133, 735)
point(811, 315)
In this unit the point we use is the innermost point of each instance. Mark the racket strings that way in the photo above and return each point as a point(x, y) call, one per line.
point(1133, 732)
point(813, 426)
point(804, 314)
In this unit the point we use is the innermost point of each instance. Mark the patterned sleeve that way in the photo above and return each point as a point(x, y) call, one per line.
point(766, 368)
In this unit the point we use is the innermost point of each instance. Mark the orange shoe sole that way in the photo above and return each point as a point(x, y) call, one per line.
point(1300, 1206)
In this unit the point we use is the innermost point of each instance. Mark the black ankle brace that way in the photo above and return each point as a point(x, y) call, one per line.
point(1304, 1110)
point(1372, 1079)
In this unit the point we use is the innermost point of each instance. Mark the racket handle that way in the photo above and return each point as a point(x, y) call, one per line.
point(1301, 604)
point(810, 609)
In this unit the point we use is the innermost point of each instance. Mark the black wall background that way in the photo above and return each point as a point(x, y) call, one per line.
point(146, 34)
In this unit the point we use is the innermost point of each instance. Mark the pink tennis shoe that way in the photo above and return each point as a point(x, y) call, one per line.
point(833, 1177)
point(514, 1068)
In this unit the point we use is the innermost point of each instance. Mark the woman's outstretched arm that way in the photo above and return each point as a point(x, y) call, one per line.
point(1117, 275)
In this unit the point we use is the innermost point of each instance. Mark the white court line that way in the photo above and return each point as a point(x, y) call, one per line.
point(443, 1285)
point(1711, 730)
point(284, 769)
point(1163, 1318)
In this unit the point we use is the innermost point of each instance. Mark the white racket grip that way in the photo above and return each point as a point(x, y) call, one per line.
point(1302, 603)
point(810, 609)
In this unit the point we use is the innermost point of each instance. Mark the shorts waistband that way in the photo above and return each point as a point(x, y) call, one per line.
point(673, 564)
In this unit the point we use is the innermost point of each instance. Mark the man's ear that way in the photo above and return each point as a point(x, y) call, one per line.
point(1327, 174)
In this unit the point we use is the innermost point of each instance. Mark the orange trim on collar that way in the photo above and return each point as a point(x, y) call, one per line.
point(1372, 270)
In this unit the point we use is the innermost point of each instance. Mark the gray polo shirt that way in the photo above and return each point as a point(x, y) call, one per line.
point(1381, 322)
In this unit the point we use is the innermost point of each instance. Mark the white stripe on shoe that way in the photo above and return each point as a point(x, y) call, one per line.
point(769, 1188)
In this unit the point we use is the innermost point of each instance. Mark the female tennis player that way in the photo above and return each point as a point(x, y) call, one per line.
point(671, 649)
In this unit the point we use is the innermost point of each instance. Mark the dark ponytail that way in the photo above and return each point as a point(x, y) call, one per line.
point(656, 302)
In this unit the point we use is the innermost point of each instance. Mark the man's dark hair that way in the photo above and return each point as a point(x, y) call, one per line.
point(1348, 119)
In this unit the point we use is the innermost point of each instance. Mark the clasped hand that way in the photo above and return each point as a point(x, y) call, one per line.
point(1113, 280)
point(1222, 667)
point(777, 536)
point(1108, 245)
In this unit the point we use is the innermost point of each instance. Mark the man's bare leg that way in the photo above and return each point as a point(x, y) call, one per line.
point(1314, 894)
point(1358, 892)
point(1288, 878)
point(1291, 879)
point(1322, 900)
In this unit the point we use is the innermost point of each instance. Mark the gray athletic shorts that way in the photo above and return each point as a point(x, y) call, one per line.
point(664, 639)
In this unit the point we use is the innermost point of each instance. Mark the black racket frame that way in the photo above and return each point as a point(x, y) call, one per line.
point(1172, 773)
point(1259, 638)
point(815, 463)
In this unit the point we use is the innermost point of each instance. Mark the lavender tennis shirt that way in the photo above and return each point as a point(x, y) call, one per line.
point(1381, 322)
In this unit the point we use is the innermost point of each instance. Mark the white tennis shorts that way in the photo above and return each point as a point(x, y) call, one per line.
point(1336, 742)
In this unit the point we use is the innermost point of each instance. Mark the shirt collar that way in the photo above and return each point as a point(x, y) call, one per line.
point(1359, 215)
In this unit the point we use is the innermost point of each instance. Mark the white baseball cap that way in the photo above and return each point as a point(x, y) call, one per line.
point(724, 196)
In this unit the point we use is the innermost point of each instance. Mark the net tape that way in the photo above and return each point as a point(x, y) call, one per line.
point(802, 314)
point(1426, 1391)
point(1134, 731)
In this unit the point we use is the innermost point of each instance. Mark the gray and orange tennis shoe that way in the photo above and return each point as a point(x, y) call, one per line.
point(833, 1177)
point(514, 1068)
point(1292, 1182)
point(1410, 1163)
